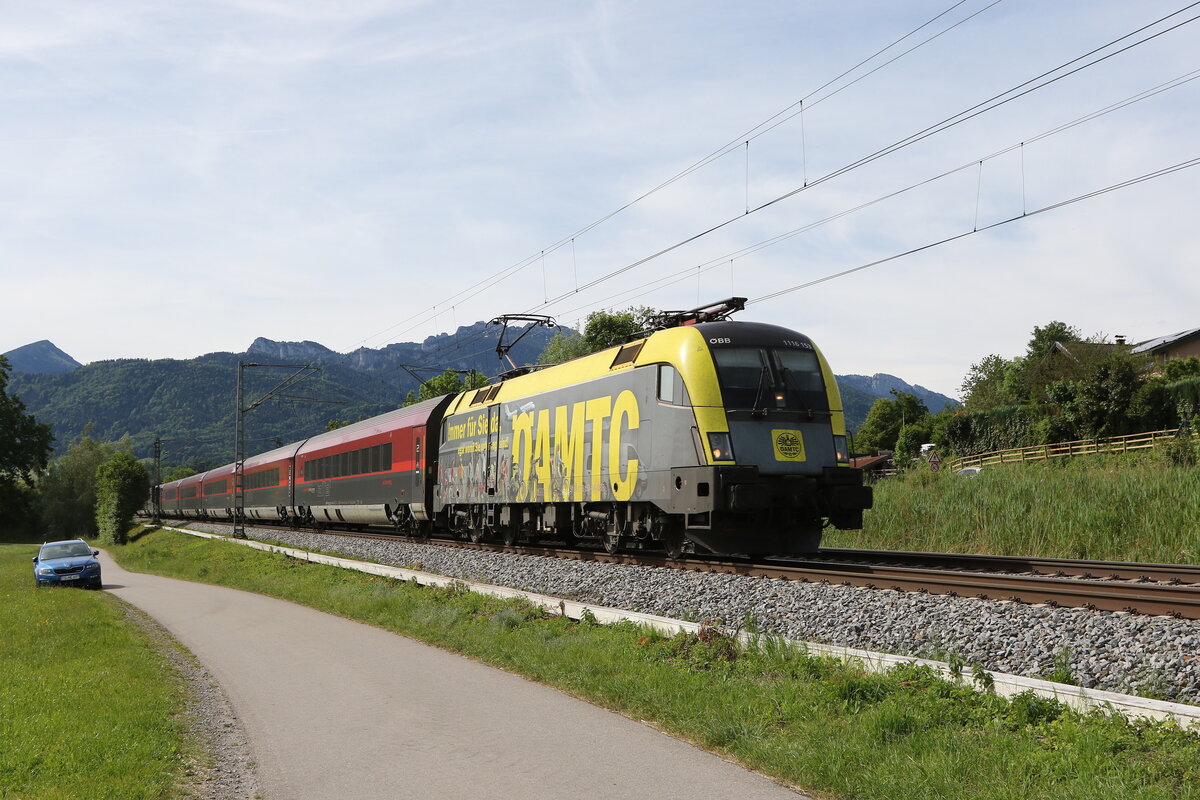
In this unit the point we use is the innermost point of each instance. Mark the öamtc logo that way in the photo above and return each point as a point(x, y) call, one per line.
point(789, 445)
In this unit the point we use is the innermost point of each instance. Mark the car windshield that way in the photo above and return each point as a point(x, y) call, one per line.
point(67, 550)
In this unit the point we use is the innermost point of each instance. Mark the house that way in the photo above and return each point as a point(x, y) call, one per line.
point(1177, 345)
point(874, 467)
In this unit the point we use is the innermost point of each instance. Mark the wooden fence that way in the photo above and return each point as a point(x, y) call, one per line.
point(1111, 444)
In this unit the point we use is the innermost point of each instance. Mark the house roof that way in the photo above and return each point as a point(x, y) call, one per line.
point(1154, 345)
point(868, 462)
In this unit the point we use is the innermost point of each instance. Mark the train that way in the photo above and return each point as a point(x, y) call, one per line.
point(708, 435)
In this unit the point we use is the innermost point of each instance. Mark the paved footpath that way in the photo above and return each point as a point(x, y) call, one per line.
point(337, 709)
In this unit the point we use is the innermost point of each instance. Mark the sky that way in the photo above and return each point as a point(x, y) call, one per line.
point(180, 178)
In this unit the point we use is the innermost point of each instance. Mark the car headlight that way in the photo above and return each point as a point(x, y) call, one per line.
point(91, 567)
point(843, 451)
point(720, 446)
point(45, 570)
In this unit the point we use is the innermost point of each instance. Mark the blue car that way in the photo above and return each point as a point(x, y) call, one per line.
point(67, 563)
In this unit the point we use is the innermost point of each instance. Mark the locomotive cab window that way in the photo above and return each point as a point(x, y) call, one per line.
point(770, 378)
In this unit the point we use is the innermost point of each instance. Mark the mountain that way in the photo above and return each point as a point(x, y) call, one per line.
point(41, 358)
point(469, 347)
point(189, 404)
point(881, 385)
point(855, 403)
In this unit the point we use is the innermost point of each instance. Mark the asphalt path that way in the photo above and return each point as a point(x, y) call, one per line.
point(341, 710)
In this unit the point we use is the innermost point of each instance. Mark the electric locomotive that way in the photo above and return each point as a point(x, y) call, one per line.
point(705, 434)
point(727, 436)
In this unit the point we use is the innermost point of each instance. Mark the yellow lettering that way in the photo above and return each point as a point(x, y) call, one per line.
point(542, 455)
point(522, 452)
point(568, 452)
point(626, 408)
point(596, 412)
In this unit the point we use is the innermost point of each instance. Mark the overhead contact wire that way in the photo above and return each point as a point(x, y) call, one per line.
point(720, 152)
point(1053, 206)
point(974, 111)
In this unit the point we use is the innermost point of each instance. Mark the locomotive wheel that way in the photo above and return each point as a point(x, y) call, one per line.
point(617, 525)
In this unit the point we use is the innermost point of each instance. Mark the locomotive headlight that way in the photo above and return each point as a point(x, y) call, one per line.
point(843, 451)
point(720, 446)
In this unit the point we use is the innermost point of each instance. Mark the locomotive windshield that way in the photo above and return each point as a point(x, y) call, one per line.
point(770, 378)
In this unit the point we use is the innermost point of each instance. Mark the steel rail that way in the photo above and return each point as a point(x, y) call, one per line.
point(1054, 567)
point(1169, 599)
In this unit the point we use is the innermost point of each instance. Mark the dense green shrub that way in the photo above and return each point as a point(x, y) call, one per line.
point(122, 485)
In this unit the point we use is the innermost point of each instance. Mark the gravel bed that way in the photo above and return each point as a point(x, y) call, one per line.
point(1150, 656)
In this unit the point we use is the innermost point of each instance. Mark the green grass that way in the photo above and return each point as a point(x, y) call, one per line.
point(1123, 508)
point(88, 706)
point(810, 721)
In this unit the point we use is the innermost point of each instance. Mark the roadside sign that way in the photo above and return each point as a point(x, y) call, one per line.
point(935, 461)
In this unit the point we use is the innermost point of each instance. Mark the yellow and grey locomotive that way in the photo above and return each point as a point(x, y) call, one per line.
point(727, 435)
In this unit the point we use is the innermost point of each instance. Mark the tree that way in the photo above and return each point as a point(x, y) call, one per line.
point(882, 426)
point(449, 382)
point(122, 486)
point(986, 385)
point(1178, 369)
point(1106, 396)
point(24, 451)
point(909, 441)
point(564, 346)
point(602, 330)
point(178, 474)
point(608, 329)
point(68, 493)
point(1044, 338)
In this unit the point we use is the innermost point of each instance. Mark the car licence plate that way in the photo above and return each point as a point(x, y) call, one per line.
point(70, 577)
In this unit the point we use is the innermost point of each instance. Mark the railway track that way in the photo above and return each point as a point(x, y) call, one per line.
point(1155, 589)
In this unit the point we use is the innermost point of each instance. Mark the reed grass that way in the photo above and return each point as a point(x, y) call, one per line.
point(1136, 507)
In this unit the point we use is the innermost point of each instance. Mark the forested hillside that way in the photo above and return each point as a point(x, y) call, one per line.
point(190, 404)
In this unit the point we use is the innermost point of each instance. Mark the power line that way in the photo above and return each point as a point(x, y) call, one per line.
point(713, 263)
point(491, 281)
point(1016, 92)
point(1182, 165)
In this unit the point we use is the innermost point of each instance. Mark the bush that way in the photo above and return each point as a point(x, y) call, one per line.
point(121, 487)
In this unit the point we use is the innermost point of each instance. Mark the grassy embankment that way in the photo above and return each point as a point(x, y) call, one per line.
point(809, 721)
point(1124, 508)
point(88, 706)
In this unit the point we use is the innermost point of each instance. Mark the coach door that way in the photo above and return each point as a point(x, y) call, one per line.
point(418, 465)
point(491, 473)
